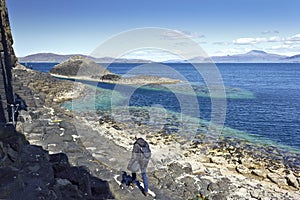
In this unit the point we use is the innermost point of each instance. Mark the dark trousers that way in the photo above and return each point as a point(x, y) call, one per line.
point(145, 180)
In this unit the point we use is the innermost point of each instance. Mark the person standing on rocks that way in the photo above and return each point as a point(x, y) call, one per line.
point(140, 157)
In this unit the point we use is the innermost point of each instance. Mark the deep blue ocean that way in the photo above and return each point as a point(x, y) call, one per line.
point(271, 113)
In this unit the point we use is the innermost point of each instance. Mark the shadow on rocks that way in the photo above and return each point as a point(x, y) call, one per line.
point(29, 172)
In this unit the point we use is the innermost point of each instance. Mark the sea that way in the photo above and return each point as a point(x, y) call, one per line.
point(263, 99)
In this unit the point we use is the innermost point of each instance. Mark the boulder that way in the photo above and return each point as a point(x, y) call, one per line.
point(255, 194)
point(242, 169)
point(179, 169)
point(9, 181)
point(59, 162)
point(292, 180)
point(100, 188)
point(200, 169)
point(218, 160)
point(203, 186)
point(111, 77)
point(259, 173)
point(276, 178)
point(78, 176)
point(220, 188)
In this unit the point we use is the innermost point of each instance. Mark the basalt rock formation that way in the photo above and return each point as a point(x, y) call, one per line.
point(79, 66)
point(7, 62)
point(29, 171)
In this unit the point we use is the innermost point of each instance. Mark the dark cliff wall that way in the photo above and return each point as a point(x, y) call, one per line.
point(7, 62)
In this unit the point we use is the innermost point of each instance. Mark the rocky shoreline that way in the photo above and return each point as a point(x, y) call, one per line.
point(249, 171)
point(204, 168)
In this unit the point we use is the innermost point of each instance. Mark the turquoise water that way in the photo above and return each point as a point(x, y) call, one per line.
point(262, 99)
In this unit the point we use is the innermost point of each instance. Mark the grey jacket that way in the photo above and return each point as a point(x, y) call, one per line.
point(138, 159)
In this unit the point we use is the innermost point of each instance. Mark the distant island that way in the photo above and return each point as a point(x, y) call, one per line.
point(82, 68)
point(254, 56)
point(56, 58)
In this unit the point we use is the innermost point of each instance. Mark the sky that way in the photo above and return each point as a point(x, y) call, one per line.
point(220, 27)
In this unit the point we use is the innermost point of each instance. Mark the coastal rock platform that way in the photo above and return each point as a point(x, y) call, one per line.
point(179, 169)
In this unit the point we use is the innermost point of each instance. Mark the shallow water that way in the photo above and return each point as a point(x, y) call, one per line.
point(264, 108)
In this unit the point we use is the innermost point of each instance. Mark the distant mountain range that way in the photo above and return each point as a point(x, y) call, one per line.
point(254, 56)
point(51, 57)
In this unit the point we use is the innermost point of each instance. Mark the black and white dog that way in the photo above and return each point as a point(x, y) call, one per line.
point(126, 179)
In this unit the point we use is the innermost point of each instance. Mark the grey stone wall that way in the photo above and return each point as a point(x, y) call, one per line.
point(7, 62)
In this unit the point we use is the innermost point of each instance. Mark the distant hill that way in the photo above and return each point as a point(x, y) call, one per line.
point(254, 56)
point(57, 58)
point(293, 59)
point(45, 57)
point(250, 57)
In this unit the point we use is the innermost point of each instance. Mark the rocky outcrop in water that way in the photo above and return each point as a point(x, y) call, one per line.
point(79, 66)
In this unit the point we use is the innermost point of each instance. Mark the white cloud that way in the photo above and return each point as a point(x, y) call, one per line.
point(274, 44)
point(281, 47)
point(288, 42)
point(251, 41)
point(287, 48)
point(274, 39)
point(294, 38)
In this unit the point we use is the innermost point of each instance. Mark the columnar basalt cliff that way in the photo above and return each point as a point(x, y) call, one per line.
point(7, 62)
point(28, 171)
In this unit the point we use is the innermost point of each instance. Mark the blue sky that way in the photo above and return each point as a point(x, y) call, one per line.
point(221, 27)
